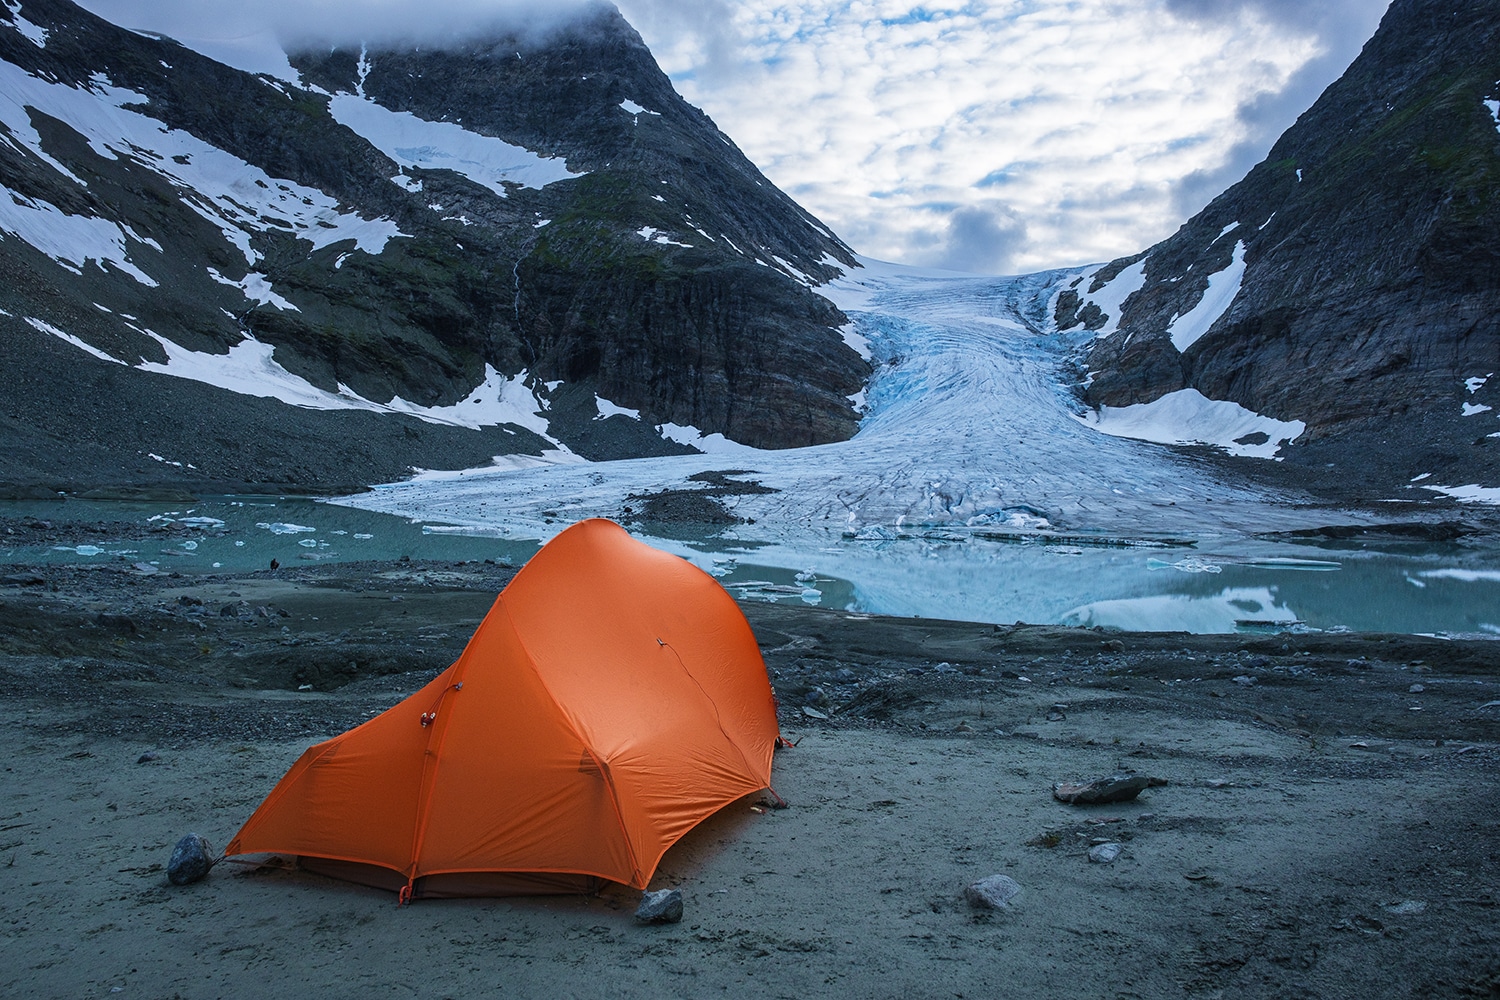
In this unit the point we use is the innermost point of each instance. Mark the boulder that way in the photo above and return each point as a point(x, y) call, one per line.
point(993, 893)
point(1115, 788)
point(191, 860)
point(663, 906)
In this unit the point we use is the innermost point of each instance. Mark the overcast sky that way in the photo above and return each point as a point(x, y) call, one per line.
point(991, 135)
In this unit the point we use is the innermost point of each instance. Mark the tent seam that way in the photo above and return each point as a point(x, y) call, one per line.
point(609, 781)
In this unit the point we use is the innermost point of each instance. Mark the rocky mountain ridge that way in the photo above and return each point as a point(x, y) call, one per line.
point(402, 258)
point(1351, 281)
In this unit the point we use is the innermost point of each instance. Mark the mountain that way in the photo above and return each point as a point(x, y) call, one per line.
point(1350, 282)
point(390, 258)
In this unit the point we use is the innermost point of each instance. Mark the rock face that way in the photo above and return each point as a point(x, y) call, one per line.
point(483, 232)
point(1351, 280)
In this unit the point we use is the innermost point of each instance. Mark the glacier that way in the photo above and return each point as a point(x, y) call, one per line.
point(972, 476)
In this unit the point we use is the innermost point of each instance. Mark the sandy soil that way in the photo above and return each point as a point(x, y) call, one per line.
point(1325, 831)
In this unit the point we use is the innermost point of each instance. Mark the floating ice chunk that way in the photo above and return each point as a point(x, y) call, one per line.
point(308, 543)
point(363, 535)
point(1219, 612)
point(608, 409)
point(201, 521)
point(46, 327)
point(416, 142)
point(1463, 575)
point(1189, 565)
point(1189, 417)
point(283, 527)
point(1223, 286)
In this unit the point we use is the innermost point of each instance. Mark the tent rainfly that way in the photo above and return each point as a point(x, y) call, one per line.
point(612, 698)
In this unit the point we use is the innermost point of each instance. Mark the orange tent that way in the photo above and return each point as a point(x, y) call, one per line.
point(613, 698)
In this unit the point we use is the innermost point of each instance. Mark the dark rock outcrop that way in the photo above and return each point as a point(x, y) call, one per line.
point(1370, 244)
point(666, 275)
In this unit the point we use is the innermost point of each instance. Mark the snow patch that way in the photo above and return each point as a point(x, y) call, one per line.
point(1477, 382)
point(250, 368)
point(1223, 286)
point(34, 33)
point(1111, 297)
point(46, 327)
point(857, 342)
point(651, 235)
point(608, 409)
point(709, 444)
point(637, 110)
point(257, 288)
point(416, 142)
point(237, 198)
point(1470, 409)
point(1494, 107)
point(1189, 417)
point(1472, 493)
point(68, 239)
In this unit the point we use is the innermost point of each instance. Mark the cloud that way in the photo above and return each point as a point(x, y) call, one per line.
point(982, 239)
point(1095, 124)
point(1341, 28)
point(1050, 132)
point(294, 22)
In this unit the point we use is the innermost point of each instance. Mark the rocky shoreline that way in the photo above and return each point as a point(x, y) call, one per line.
point(1324, 821)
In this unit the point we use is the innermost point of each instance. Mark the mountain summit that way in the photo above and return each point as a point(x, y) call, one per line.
point(1350, 282)
point(400, 257)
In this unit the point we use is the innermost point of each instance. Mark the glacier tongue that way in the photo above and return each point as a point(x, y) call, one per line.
point(969, 423)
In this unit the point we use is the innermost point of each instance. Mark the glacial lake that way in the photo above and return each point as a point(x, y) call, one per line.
point(1228, 584)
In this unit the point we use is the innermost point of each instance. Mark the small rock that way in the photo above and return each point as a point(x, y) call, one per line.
point(1219, 783)
point(1244, 680)
point(844, 675)
point(146, 757)
point(661, 907)
point(189, 601)
point(993, 893)
point(1407, 907)
point(1104, 854)
point(813, 713)
point(190, 860)
point(817, 697)
point(1112, 646)
point(1416, 689)
point(120, 623)
point(1115, 788)
point(144, 568)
